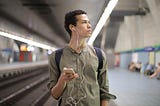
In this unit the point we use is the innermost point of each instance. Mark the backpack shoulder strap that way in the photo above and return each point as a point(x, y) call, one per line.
point(99, 55)
point(58, 55)
point(100, 60)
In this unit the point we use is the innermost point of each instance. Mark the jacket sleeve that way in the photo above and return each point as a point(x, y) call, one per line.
point(104, 82)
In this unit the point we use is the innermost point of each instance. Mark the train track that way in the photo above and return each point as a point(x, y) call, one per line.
point(29, 89)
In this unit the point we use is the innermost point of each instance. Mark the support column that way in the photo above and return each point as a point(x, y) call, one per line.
point(154, 8)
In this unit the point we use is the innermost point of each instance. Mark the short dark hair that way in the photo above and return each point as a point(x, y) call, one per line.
point(70, 18)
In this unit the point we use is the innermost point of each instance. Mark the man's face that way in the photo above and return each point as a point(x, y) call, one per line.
point(83, 26)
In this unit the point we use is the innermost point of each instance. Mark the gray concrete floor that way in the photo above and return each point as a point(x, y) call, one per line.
point(131, 89)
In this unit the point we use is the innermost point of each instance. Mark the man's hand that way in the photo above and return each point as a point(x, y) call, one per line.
point(104, 102)
point(68, 74)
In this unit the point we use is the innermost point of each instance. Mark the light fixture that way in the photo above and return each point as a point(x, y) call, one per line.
point(103, 19)
point(30, 42)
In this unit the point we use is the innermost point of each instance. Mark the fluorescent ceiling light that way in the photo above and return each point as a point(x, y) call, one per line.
point(30, 42)
point(103, 19)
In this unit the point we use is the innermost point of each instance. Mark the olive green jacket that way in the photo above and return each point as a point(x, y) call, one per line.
point(87, 89)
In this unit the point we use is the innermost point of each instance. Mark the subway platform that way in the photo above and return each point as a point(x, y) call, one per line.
point(131, 89)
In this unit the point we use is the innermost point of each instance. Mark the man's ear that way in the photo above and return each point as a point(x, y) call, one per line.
point(72, 27)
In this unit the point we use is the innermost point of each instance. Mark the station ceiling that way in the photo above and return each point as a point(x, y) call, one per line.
point(45, 18)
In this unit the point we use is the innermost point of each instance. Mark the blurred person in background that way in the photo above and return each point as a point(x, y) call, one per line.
point(156, 72)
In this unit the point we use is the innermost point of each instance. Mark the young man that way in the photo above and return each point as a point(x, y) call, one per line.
point(77, 83)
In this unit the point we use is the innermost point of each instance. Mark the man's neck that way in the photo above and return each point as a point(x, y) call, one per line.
point(77, 45)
